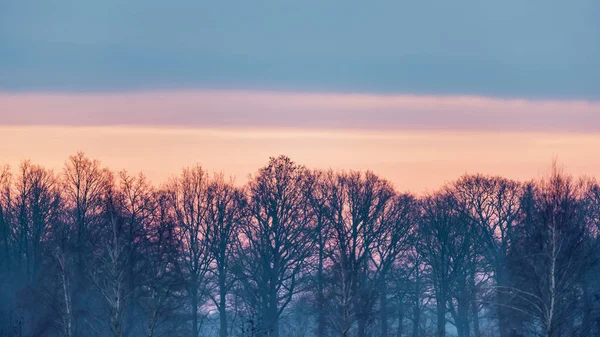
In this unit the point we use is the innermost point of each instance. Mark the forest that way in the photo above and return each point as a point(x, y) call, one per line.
point(295, 252)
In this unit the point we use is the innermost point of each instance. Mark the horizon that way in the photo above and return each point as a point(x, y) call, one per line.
point(418, 162)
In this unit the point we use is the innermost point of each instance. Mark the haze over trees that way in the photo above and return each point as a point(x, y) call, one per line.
point(296, 252)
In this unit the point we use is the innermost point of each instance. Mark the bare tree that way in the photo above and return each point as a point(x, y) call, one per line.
point(7, 240)
point(189, 201)
point(62, 251)
point(5, 218)
point(137, 206)
point(35, 207)
point(395, 232)
point(226, 207)
point(63, 261)
point(112, 263)
point(493, 203)
point(551, 257)
point(589, 283)
point(409, 288)
point(85, 185)
point(369, 228)
point(160, 276)
point(295, 252)
point(277, 241)
point(38, 203)
point(446, 244)
point(317, 199)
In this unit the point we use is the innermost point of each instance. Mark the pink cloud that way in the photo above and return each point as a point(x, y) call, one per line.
point(313, 110)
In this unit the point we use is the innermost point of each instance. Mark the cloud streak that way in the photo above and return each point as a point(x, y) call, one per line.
point(202, 108)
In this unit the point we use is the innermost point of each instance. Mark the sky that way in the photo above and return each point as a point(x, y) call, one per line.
point(510, 48)
point(421, 91)
point(414, 161)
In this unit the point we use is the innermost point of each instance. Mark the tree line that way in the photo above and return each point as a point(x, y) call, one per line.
point(295, 252)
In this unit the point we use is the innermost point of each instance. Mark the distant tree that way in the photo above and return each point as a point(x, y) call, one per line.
point(86, 184)
point(394, 240)
point(590, 283)
point(160, 276)
point(276, 242)
point(494, 204)
point(416, 289)
point(38, 206)
point(295, 252)
point(62, 253)
point(6, 248)
point(369, 226)
point(137, 206)
point(226, 210)
point(111, 265)
point(552, 256)
point(189, 203)
point(5, 219)
point(32, 204)
point(317, 200)
point(446, 245)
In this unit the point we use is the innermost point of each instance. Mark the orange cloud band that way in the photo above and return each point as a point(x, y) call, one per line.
point(312, 110)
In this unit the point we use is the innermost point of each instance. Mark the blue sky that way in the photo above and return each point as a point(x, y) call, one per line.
point(529, 49)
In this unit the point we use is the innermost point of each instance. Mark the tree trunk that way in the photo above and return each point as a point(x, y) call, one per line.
point(5, 238)
point(383, 309)
point(116, 325)
point(362, 327)
point(151, 324)
point(441, 317)
point(194, 301)
point(320, 295)
point(222, 305)
point(417, 306)
point(462, 322)
point(502, 312)
point(131, 288)
point(416, 319)
point(503, 319)
point(587, 323)
point(474, 307)
point(68, 314)
point(400, 329)
point(274, 326)
point(271, 321)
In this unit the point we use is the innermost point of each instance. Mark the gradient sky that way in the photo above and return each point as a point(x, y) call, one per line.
point(419, 91)
point(417, 161)
point(509, 48)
